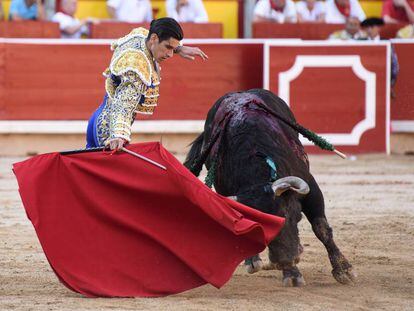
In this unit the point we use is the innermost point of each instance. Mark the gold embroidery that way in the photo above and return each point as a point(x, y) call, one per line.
point(110, 87)
point(133, 60)
point(139, 32)
point(102, 124)
point(123, 105)
point(106, 73)
point(132, 86)
point(155, 78)
point(150, 102)
point(152, 91)
point(145, 110)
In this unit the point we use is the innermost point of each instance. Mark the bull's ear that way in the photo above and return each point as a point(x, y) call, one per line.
point(290, 183)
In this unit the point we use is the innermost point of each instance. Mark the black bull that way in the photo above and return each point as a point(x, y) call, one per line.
point(250, 149)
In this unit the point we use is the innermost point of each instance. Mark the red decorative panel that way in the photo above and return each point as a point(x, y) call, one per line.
point(313, 82)
point(337, 90)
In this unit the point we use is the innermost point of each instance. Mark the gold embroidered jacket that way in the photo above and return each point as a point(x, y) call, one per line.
point(132, 86)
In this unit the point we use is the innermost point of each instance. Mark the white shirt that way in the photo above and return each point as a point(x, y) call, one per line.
point(263, 9)
point(194, 11)
point(376, 39)
point(310, 16)
point(335, 17)
point(132, 11)
point(66, 21)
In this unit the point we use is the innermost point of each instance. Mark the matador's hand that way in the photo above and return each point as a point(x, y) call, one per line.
point(189, 52)
point(115, 143)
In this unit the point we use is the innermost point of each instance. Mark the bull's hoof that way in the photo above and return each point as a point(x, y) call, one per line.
point(344, 276)
point(293, 277)
point(253, 264)
point(293, 281)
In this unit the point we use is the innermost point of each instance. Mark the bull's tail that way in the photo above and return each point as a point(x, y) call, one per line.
point(200, 151)
point(311, 136)
point(192, 161)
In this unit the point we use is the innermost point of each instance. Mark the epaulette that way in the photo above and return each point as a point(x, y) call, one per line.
point(136, 32)
point(132, 60)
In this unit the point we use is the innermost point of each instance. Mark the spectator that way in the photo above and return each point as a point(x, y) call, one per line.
point(406, 32)
point(132, 11)
point(1, 10)
point(351, 32)
point(185, 11)
point(50, 8)
point(372, 27)
point(310, 11)
point(398, 11)
point(26, 9)
point(70, 26)
point(337, 11)
point(280, 11)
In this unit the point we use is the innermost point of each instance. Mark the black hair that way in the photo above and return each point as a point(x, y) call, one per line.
point(372, 21)
point(166, 28)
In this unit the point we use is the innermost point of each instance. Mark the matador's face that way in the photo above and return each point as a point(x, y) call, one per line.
point(164, 49)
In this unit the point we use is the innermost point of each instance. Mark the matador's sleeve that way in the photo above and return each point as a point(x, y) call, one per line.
point(124, 102)
point(134, 70)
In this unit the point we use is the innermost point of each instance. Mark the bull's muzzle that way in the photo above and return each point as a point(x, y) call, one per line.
point(290, 183)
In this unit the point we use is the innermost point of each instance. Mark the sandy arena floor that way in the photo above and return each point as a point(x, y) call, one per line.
point(370, 205)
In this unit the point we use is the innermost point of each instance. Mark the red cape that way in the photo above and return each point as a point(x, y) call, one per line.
point(117, 226)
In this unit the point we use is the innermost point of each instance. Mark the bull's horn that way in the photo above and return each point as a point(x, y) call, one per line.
point(290, 183)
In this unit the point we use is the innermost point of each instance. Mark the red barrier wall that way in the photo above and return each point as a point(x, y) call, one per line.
point(111, 30)
point(402, 106)
point(64, 82)
point(53, 80)
point(29, 29)
point(46, 82)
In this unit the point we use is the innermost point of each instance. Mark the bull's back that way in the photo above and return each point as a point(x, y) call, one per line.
point(235, 100)
point(251, 135)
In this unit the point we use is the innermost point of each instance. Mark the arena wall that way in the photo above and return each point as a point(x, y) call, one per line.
point(50, 87)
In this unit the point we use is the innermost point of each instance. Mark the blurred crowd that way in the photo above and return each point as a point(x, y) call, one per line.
point(131, 11)
point(347, 12)
point(329, 11)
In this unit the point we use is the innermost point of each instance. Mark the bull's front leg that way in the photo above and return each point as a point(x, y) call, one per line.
point(281, 258)
point(342, 269)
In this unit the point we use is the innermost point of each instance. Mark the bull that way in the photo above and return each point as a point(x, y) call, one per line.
point(251, 147)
